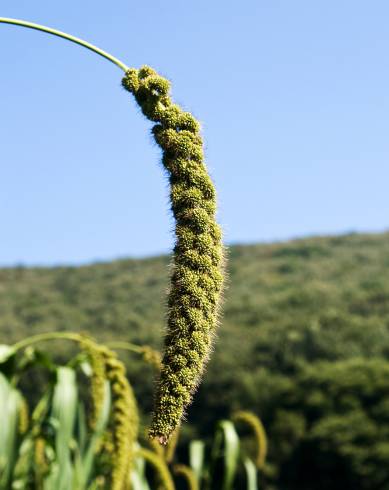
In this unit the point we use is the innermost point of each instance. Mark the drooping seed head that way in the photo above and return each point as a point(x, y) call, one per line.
point(125, 419)
point(124, 411)
point(197, 274)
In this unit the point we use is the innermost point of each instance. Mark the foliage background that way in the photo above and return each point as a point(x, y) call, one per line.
point(304, 344)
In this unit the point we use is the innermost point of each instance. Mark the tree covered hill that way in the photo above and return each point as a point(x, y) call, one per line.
point(318, 298)
point(303, 341)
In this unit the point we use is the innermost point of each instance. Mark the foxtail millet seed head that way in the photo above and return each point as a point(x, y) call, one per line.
point(197, 275)
point(125, 419)
point(98, 377)
point(23, 416)
point(124, 411)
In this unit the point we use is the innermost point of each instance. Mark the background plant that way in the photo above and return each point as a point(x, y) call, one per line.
point(71, 439)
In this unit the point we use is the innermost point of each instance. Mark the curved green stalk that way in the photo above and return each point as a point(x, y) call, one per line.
point(125, 346)
point(64, 35)
point(46, 336)
point(255, 425)
point(150, 355)
point(159, 466)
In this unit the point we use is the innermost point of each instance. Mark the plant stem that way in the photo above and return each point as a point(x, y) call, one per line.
point(125, 346)
point(64, 35)
point(74, 337)
point(47, 336)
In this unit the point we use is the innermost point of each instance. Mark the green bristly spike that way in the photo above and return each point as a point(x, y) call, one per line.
point(197, 274)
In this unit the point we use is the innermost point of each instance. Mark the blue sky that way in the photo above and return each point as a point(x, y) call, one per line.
point(293, 98)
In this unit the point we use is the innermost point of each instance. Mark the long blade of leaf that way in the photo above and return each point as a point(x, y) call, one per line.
point(138, 479)
point(226, 445)
point(196, 458)
point(63, 417)
point(87, 459)
point(10, 401)
point(251, 474)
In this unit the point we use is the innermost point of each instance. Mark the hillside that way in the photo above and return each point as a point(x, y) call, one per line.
point(309, 313)
point(278, 296)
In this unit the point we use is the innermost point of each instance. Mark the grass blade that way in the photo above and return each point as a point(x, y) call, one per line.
point(63, 417)
point(11, 400)
point(138, 479)
point(196, 458)
point(226, 446)
point(87, 458)
point(251, 474)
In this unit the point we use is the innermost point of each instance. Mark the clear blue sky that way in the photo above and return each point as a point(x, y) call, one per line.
point(293, 97)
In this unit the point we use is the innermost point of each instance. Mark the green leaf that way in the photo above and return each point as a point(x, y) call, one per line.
point(196, 458)
point(226, 445)
point(138, 479)
point(6, 352)
point(23, 465)
point(251, 474)
point(11, 400)
point(63, 417)
point(85, 462)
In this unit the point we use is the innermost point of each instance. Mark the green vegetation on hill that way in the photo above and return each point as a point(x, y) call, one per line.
point(304, 343)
